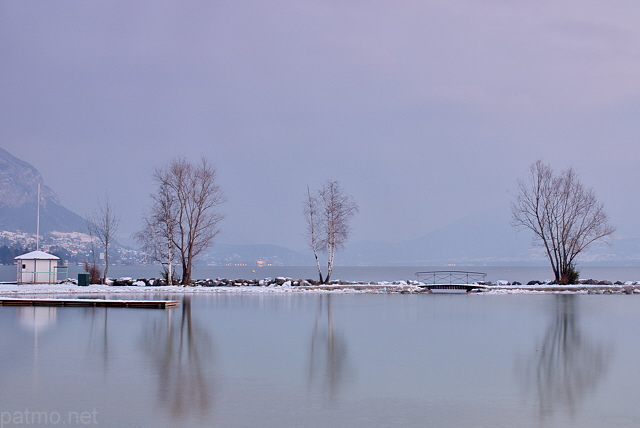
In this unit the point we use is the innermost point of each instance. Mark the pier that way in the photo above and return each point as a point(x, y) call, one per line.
point(98, 303)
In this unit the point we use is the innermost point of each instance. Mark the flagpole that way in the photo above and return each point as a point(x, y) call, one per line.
point(38, 222)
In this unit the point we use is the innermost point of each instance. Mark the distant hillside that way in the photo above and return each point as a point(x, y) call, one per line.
point(18, 200)
point(482, 238)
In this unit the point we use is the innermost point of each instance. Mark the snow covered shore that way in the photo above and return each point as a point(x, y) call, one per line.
point(28, 289)
point(405, 287)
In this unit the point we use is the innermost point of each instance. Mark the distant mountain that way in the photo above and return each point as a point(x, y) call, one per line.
point(18, 200)
point(481, 237)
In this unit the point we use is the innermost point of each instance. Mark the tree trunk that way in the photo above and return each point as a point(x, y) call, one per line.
point(315, 253)
point(186, 272)
point(106, 264)
point(330, 259)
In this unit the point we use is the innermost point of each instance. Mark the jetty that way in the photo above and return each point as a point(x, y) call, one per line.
point(451, 281)
point(97, 303)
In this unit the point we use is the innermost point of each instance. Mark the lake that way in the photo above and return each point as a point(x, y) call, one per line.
point(522, 274)
point(317, 360)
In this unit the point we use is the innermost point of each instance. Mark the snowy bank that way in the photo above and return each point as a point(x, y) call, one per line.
point(65, 289)
point(142, 286)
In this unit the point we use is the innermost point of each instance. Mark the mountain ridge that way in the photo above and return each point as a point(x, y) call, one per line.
point(481, 237)
point(19, 200)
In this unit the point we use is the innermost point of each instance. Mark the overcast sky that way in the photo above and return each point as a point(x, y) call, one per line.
point(425, 111)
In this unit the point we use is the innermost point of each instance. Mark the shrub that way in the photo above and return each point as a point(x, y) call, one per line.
point(95, 274)
point(175, 279)
point(573, 276)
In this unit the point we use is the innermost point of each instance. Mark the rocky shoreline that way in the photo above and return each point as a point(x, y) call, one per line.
point(586, 286)
point(240, 282)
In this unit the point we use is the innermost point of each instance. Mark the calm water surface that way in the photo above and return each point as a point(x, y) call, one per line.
point(350, 360)
point(522, 274)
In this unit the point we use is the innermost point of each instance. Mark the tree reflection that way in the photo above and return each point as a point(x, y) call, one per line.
point(100, 328)
point(567, 365)
point(181, 352)
point(328, 357)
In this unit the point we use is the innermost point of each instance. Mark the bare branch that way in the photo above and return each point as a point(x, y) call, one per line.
point(564, 216)
point(328, 216)
point(183, 220)
point(103, 223)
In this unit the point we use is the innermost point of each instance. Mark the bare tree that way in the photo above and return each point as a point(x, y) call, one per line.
point(563, 215)
point(311, 215)
point(328, 217)
point(183, 212)
point(103, 224)
point(156, 236)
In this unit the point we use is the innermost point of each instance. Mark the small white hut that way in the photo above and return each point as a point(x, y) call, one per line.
point(37, 267)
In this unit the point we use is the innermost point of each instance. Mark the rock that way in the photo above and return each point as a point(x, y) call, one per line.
point(605, 283)
point(122, 282)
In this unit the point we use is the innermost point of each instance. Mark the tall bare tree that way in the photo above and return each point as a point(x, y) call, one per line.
point(156, 236)
point(103, 224)
point(184, 214)
point(564, 216)
point(328, 216)
point(311, 215)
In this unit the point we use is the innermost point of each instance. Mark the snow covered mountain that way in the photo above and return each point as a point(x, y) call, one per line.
point(18, 200)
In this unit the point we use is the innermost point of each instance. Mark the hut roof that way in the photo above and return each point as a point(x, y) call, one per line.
point(37, 255)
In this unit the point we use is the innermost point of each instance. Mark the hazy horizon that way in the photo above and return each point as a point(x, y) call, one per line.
point(425, 112)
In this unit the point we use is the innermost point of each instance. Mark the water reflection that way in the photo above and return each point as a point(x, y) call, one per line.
point(37, 318)
point(567, 365)
point(181, 352)
point(328, 356)
point(99, 335)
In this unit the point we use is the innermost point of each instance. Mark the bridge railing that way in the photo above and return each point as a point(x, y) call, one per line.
point(450, 277)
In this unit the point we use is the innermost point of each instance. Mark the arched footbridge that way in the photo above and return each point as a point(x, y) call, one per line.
point(451, 281)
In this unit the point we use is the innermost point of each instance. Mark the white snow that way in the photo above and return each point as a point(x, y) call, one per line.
point(9, 290)
point(30, 289)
